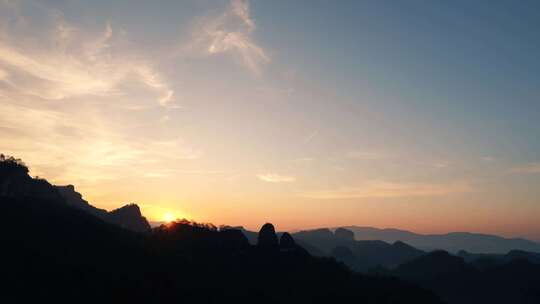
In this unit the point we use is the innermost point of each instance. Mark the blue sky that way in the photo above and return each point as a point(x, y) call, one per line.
point(421, 115)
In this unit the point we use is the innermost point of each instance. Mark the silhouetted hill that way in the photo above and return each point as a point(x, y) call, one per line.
point(129, 216)
point(250, 235)
point(515, 281)
point(433, 265)
point(75, 199)
point(51, 251)
point(16, 183)
point(60, 253)
point(452, 242)
point(488, 259)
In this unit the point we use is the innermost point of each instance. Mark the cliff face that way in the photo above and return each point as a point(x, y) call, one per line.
point(129, 217)
point(75, 199)
point(16, 183)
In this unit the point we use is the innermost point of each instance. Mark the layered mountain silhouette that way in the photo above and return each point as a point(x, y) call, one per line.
point(341, 245)
point(56, 247)
point(452, 242)
point(458, 278)
point(369, 255)
point(57, 251)
point(359, 255)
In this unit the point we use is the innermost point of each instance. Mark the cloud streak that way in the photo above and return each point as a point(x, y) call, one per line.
point(62, 62)
point(386, 189)
point(230, 33)
point(276, 178)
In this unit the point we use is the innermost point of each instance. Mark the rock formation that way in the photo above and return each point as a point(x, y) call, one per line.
point(267, 237)
point(344, 234)
point(129, 217)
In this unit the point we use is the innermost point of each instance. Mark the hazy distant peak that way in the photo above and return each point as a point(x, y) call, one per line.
point(452, 241)
point(344, 234)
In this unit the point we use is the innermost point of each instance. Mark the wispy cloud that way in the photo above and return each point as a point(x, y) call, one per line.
point(530, 168)
point(386, 189)
point(62, 61)
point(276, 178)
point(82, 147)
point(230, 33)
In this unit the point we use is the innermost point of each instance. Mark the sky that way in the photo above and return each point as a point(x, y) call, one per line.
point(420, 115)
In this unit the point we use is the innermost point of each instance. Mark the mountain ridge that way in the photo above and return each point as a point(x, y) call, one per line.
point(16, 182)
point(451, 241)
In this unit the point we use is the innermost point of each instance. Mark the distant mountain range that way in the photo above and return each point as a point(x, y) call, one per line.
point(380, 256)
point(452, 242)
point(359, 255)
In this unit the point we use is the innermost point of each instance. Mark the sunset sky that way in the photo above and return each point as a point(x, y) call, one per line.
point(420, 115)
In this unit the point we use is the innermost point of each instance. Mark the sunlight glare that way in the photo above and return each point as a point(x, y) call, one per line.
point(168, 217)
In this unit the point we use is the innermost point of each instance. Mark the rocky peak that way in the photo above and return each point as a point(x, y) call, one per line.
point(75, 199)
point(129, 217)
point(267, 237)
point(71, 196)
point(127, 210)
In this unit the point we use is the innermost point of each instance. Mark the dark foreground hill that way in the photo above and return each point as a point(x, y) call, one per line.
point(16, 183)
point(57, 253)
point(54, 252)
point(456, 281)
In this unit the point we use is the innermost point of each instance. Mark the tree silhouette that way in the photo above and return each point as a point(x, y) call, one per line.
point(11, 164)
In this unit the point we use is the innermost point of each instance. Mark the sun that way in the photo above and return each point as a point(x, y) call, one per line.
point(168, 217)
